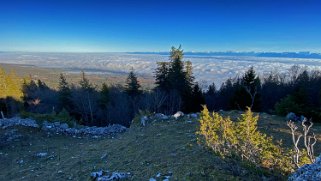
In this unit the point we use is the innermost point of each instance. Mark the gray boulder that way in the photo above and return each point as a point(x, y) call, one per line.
point(160, 116)
point(308, 172)
point(291, 117)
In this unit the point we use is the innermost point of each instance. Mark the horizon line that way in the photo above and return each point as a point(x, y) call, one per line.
point(161, 52)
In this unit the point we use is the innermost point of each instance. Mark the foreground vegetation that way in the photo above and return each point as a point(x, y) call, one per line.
point(162, 146)
point(240, 139)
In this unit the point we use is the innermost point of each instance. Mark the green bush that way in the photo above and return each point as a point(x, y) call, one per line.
point(289, 104)
point(286, 105)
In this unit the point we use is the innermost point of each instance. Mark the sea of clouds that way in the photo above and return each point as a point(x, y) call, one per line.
point(206, 69)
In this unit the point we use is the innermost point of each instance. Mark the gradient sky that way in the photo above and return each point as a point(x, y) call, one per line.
point(155, 25)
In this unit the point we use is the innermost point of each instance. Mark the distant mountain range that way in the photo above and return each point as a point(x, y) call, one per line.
point(255, 54)
point(302, 54)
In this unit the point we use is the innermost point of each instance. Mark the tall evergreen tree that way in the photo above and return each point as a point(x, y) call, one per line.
point(132, 85)
point(251, 84)
point(189, 72)
point(87, 99)
point(197, 99)
point(104, 96)
point(180, 77)
point(64, 94)
point(211, 89)
point(84, 83)
point(176, 76)
point(161, 76)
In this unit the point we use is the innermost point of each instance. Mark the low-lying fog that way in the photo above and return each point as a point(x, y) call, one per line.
point(206, 68)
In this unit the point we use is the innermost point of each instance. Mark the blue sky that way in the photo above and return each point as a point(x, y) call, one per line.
point(154, 25)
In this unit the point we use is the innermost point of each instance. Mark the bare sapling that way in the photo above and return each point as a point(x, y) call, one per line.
point(309, 140)
point(295, 140)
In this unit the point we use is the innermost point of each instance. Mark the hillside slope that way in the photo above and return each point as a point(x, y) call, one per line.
point(168, 147)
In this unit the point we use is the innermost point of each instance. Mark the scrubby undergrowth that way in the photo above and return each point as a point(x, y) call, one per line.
point(167, 146)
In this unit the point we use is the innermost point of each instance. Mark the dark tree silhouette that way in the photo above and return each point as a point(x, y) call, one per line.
point(64, 94)
point(132, 85)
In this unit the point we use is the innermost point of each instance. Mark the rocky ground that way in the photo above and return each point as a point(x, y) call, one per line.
point(308, 172)
point(156, 147)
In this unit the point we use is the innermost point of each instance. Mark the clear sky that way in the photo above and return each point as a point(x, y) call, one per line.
point(156, 25)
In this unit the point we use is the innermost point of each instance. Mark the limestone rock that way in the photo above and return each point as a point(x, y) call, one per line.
point(107, 176)
point(308, 172)
point(178, 114)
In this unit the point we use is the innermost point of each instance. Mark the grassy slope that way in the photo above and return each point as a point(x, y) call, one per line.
point(161, 147)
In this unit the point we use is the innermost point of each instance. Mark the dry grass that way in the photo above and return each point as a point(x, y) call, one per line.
point(168, 146)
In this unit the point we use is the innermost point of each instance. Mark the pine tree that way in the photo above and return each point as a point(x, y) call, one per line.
point(64, 93)
point(189, 72)
point(251, 84)
point(104, 96)
point(177, 76)
point(87, 92)
point(211, 89)
point(176, 53)
point(198, 99)
point(132, 85)
point(84, 83)
point(161, 77)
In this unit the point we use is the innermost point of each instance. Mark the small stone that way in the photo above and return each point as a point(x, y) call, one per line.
point(41, 154)
point(96, 174)
point(178, 114)
point(103, 156)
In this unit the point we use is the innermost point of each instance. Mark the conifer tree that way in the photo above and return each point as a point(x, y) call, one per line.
point(161, 76)
point(84, 83)
point(64, 93)
point(104, 96)
point(189, 72)
point(211, 89)
point(197, 99)
point(251, 84)
point(177, 75)
point(132, 85)
point(87, 92)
